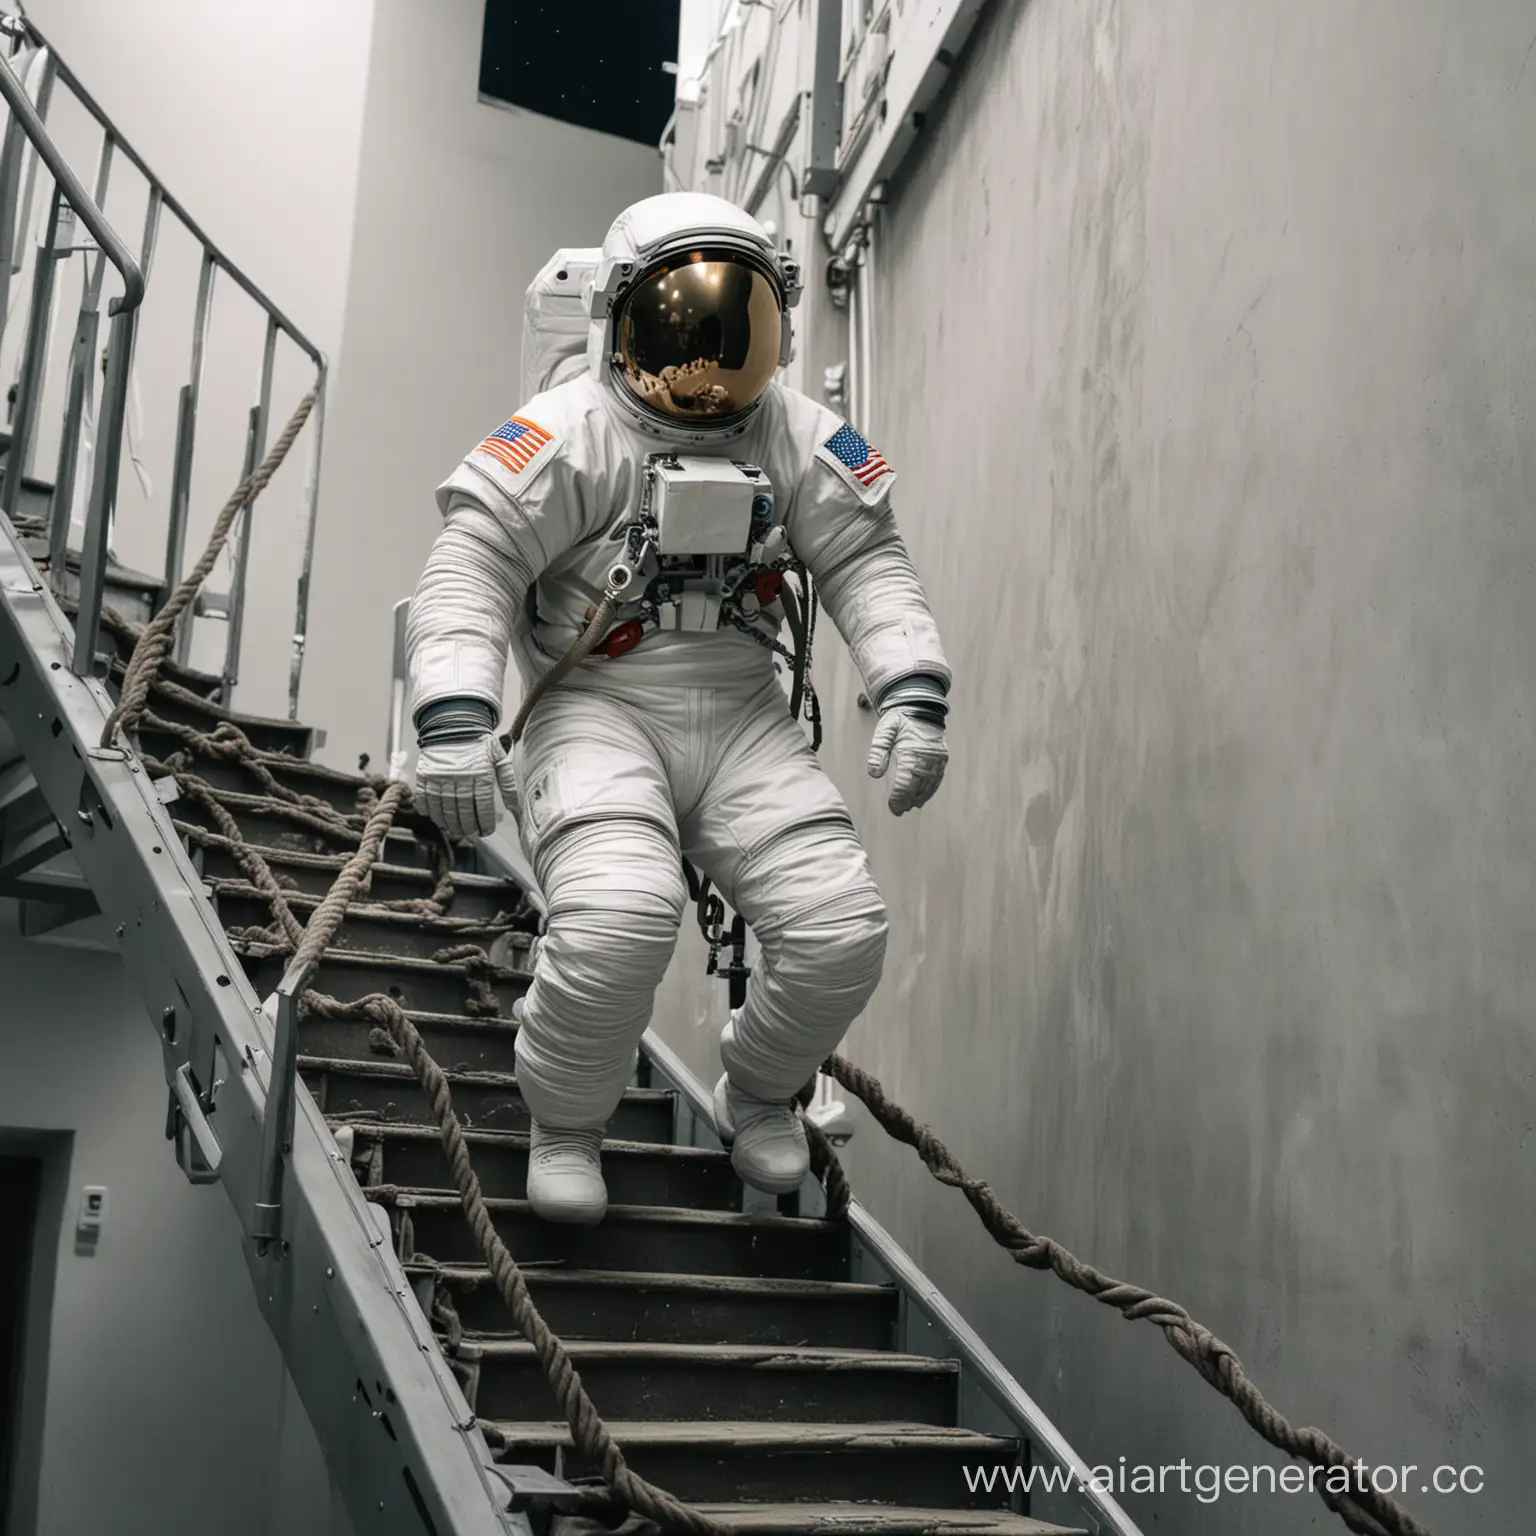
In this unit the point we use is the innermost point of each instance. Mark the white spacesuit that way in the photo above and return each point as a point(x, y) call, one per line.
point(677, 460)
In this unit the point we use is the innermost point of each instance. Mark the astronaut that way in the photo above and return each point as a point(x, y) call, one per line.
point(674, 741)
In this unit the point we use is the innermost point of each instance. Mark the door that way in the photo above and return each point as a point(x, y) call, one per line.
point(19, 1179)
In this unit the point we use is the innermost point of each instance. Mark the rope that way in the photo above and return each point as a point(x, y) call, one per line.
point(1363, 1509)
point(154, 644)
point(824, 1159)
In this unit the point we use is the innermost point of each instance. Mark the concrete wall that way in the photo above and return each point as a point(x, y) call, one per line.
point(459, 204)
point(1206, 360)
point(166, 1398)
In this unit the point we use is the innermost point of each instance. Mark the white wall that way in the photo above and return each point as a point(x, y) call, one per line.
point(168, 1409)
point(251, 113)
point(459, 204)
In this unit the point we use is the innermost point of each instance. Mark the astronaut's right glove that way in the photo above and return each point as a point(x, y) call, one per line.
point(910, 736)
point(462, 769)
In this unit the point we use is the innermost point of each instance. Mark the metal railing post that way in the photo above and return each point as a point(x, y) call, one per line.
point(25, 425)
point(16, 195)
point(311, 500)
point(151, 238)
point(399, 687)
point(255, 449)
point(82, 351)
point(68, 190)
point(11, 237)
point(98, 521)
point(186, 434)
point(82, 360)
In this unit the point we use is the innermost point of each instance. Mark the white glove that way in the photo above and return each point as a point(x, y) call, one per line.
point(457, 784)
point(915, 743)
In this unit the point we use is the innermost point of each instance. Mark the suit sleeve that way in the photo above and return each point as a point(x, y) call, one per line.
point(845, 532)
point(513, 505)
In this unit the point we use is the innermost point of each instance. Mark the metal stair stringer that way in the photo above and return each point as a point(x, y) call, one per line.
point(396, 1429)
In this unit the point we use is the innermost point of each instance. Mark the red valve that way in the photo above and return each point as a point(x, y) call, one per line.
point(768, 585)
point(625, 638)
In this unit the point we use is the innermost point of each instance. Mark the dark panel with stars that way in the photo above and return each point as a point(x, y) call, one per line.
point(596, 64)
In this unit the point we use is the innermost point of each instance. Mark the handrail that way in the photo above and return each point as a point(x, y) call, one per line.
point(74, 190)
point(114, 402)
point(30, 122)
point(193, 228)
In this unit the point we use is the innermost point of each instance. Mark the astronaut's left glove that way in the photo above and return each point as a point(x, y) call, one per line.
point(910, 735)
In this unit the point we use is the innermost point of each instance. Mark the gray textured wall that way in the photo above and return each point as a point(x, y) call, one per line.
point(1206, 359)
point(167, 1405)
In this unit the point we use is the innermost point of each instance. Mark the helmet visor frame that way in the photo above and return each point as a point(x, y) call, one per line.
point(699, 336)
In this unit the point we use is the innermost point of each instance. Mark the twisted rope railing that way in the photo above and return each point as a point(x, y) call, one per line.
point(155, 643)
point(1363, 1509)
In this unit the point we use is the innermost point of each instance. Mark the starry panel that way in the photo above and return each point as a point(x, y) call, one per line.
point(597, 64)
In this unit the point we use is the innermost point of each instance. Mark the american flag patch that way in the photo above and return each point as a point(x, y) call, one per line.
point(861, 461)
point(515, 445)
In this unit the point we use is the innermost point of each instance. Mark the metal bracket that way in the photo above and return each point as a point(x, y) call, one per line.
point(201, 1157)
point(277, 1117)
point(819, 174)
point(920, 51)
point(529, 1486)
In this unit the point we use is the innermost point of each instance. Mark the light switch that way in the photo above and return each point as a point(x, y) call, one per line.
point(93, 1208)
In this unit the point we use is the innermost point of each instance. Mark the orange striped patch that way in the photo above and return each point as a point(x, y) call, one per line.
point(515, 444)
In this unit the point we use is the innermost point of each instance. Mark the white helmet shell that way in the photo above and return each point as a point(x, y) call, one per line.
point(651, 231)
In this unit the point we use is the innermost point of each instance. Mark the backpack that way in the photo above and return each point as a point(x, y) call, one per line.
point(555, 320)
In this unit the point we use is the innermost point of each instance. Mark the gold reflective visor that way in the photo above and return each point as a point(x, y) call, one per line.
point(699, 340)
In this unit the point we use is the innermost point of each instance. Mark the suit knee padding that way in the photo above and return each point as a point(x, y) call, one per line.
point(830, 963)
point(615, 904)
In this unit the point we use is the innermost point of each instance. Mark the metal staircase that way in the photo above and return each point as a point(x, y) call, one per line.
point(784, 1372)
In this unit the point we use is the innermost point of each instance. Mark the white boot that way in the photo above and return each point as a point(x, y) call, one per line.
point(767, 1141)
point(565, 1175)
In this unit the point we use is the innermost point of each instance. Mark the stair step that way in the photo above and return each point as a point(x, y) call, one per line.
point(683, 1309)
point(287, 738)
point(706, 1383)
point(418, 985)
point(40, 487)
point(486, 1101)
point(637, 1173)
point(368, 930)
point(912, 1464)
point(314, 874)
point(850, 1519)
point(133, 593)
point(640, 1238)
point(328, 785)
point(119, 642)
point(270, 827)
point(456, 1042)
